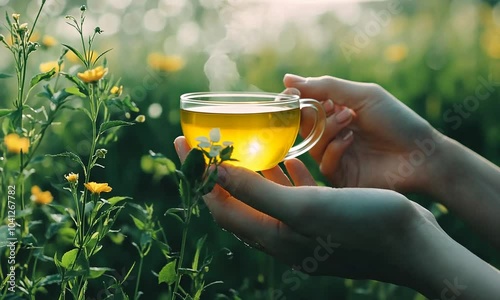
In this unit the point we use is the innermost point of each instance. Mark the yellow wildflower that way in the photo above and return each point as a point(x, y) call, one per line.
point(93, 75)
point(39, 196)
point(47, 66)
point(74, 59)
point(35, 36)
point(16, 144)
point(117, 90)
point(168, 63)
point(396, 52)
point(71, 177)
point(490, 41)
point(97, 188)
point(48, 41)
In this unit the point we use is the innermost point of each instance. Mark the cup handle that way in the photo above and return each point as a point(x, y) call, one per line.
point(316, 132)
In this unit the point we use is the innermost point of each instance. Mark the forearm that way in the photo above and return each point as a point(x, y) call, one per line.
point(440, 268)
point(468, 185)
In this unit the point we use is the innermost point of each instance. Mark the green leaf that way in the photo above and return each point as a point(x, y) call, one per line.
point(5, 111)
point(76, 52)
point(101, 55)
point(116, 199)
point(173, 212)
point(96, 272)
point(209, 183)
point(138, 223)
point(225, 154)
point(194, 166)
point(130, 104)
point(49, 279)
point(43, 76)
point(199, 246)
point(81, 86)
point(167, 273)
point(74, 91)
point(71, 156)
point(70, 260)
point(111, 124)
point(3, 75)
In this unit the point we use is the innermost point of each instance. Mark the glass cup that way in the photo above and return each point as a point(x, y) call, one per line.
point(262, 127)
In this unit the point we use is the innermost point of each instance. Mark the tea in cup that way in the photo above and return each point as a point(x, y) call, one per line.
point(262, 127)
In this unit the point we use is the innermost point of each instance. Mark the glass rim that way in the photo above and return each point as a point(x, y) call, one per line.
point(265, 98)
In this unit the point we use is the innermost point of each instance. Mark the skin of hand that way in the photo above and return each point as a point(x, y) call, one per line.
point(369, 137)
point(393, 147)
point(353, 233)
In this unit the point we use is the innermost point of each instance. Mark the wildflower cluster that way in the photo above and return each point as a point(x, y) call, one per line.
point(88, 218)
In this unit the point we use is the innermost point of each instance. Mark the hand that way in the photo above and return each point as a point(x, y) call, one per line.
point(354, 233)
point(371, 139)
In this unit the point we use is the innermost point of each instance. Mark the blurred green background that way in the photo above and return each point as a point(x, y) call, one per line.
point(432, 55)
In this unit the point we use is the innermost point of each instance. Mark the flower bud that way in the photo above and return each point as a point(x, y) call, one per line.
point(98, 30)
point(140, 119)
point(16, 17)
point(23, 27)
point(101, 153)
point(71, 177)
point(83, 8)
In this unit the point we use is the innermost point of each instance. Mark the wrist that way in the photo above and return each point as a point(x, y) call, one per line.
point(440, 171)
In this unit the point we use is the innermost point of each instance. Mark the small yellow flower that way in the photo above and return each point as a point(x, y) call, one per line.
point(41, 197)
point(93, 75)
point(16, 144)
point(71, 177)
point(23, 27)
point(47, 66)
point(140, 119)
point(97, 188)
point(117, 90)
point(48, 41)
point(16, 17)
point(396, 52)
point(74, 59)
point(167, 63)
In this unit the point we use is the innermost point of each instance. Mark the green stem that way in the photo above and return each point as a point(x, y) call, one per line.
point(138, 277)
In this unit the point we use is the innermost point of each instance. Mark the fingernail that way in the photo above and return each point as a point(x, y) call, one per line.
point(296, 78)
point(328, 106)
point(343, 115)
point(347, 135)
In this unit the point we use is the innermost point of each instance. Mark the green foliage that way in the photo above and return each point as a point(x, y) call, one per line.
point(429, 56)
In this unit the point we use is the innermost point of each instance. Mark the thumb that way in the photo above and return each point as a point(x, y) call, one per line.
point(343, 92)
point(258, 192)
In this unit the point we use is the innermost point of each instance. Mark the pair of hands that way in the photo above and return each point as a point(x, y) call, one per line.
point(354, 233)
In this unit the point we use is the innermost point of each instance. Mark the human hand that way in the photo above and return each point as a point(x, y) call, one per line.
point(371, 139)
point(353, 233)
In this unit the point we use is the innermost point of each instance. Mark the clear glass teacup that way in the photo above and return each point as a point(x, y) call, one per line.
point(262, 127)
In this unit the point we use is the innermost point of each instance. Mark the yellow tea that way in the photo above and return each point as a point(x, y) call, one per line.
point(261, 134)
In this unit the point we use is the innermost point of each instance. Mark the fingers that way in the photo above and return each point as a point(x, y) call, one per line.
point(335, 124)
point(277, 175)
point(299, 172)
point(253, 227)
point(343, 92)
point(182, 147)
point(334, 151)
point(278, 201)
